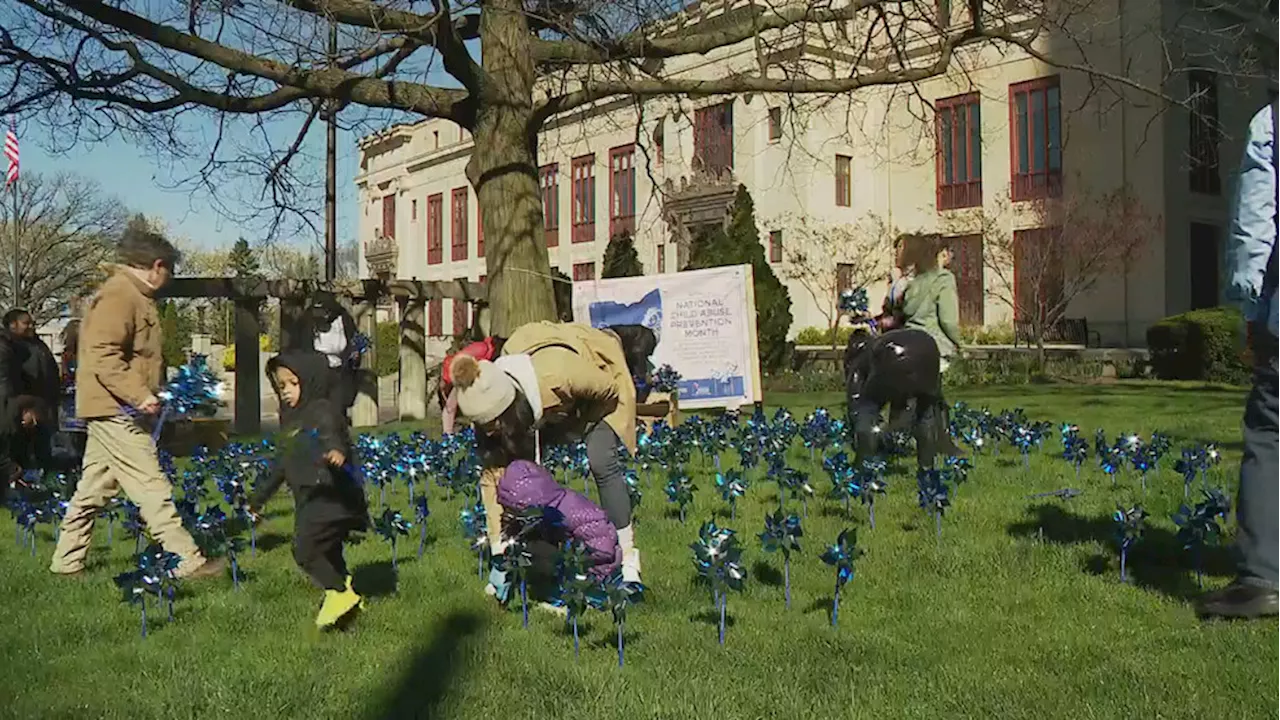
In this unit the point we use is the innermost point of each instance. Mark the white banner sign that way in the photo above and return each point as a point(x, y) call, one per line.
point(705, 321)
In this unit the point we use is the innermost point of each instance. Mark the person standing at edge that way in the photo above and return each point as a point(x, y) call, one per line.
point(1251, 266)
point(120, 364)
point(37, 375)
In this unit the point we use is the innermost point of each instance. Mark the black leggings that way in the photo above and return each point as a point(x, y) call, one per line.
point(602, 458)
point(320, 530)
point(928, 427)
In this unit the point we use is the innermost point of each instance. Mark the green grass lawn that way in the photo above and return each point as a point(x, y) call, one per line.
point(1018, 613)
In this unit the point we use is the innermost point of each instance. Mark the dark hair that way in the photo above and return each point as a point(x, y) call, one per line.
point(23, 403)
point(920, 250)
point(638, 344)
point(515, 439)
point(142, 248)
point(12, 316)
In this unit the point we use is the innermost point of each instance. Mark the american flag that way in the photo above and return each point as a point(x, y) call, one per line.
point(11, 154)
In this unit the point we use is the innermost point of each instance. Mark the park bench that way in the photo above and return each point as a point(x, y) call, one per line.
point(1067, 331)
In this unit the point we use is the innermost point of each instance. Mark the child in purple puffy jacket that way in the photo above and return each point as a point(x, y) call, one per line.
point(525, 484)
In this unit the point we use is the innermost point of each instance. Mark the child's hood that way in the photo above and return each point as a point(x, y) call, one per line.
point(525, 484)
point(312, 369)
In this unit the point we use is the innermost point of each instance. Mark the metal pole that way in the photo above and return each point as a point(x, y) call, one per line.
point(17, 241)
point(331, 175)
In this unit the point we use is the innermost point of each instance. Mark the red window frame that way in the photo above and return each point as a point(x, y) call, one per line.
point(662, 258)
point(622, 190)
point(479, 229)
point(550, 182)
point(435, 317)
point(1205, 134)
point(844, 181)
point(584, 271)
point(461, 316)
point(389, 216)
point(583, 170)
point(1035, 109)
point(958, 137)
point(435, 229)
point(775, 246)
point(775, 124)
point(966, 265)
point(458, 225)
point(659, 140)
point(713, 138)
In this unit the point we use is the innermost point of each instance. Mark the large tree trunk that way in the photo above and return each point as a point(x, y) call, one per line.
point(504, 170)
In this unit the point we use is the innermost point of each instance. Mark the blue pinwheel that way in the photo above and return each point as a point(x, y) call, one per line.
point(391, 525)
point(617, 596)
point(1130, 524)
point(665, 380)
point(731, 485)
point(933, 497)
point(956, 470)
point(1198, 526)
point(576, 588)
point(474, 528)
point(680, 490)
point(782, 535)
point(841, 556)
point(421, 511)
point(718, 558)
point(1076, 451)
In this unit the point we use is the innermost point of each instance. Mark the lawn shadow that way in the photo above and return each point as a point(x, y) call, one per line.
point(609, 640)
point(376, 579)
point(767, 574)
point(712, 617)
point(270, 541)
point(822, 604)
point(425, 683)
point(1156, 562)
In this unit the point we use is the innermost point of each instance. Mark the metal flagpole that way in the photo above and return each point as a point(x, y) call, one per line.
point(17, 239)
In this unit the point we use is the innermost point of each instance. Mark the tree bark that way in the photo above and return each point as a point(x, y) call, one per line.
point(504, 170)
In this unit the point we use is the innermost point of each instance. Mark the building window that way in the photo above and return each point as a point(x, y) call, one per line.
point(1204, 136)
point(966, 265)
point(458, 225)
point(844, 181)
point(662, 257)
point(1037, 274)
point(1206, 258)
point(622, 190)
point(659, 141)
point(461, 316)
point(775, 124)
point(435, 317)
point(959, 138)
point(1036, 116)
point(435, 229)
point(550, 203)
point(436, 134)
point(413, 209)
point(584, 271)
point(944, 14)
point(844, 277)
point(775, 246)
point(479, 229)
point(389, 216)
point(713, 139)
point(584, 198)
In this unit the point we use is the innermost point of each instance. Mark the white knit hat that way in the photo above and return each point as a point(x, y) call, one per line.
point(485, 391)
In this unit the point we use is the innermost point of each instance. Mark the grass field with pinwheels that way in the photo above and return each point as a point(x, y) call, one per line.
point(1014, 609)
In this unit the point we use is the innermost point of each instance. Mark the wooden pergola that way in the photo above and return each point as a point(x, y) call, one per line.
point(360, 298)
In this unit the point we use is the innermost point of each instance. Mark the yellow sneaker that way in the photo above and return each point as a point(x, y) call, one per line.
point(351, 589)
point(337, 603)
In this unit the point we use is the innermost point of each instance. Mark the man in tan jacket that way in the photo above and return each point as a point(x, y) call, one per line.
point(120, 364)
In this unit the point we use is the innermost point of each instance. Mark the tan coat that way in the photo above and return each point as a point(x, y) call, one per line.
point(582, 376)
point(120, 358)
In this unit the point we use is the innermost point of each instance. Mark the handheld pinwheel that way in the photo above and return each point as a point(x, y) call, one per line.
point(718, 558)
point(841, 556)
point(666, 380)
point(194, 391)
point(1130, 524)
point(782, 535)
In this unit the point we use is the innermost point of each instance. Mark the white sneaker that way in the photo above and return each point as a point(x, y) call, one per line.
point(631, 567)
point(490, 590)
point(558, 610)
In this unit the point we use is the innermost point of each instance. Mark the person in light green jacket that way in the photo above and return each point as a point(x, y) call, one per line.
point(932, 303)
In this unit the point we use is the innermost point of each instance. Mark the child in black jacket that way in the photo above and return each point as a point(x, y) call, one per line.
point(313, 453)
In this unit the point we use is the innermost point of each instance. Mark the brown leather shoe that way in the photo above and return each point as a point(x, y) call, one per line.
point(213, 567)
point(1238, 600)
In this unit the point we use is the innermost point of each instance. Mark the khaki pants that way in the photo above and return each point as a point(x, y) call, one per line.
point(119, 455)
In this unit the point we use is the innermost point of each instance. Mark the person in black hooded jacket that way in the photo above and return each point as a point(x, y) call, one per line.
point(313, 456)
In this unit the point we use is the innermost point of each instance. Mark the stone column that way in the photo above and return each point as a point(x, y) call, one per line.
point(365, 412)
point(413, 359)
point(248, 401)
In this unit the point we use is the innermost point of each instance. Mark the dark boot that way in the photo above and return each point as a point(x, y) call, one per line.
point(1238, 600)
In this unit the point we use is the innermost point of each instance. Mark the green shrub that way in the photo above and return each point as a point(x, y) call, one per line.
point(229, 355)
point(1199, 345)
point(819, 336)
point(386, 349)
point(1020, 369)
point(1001, 334)
point(811, 378)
